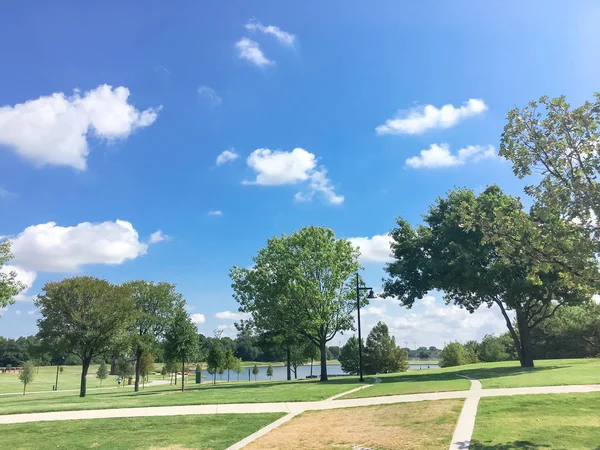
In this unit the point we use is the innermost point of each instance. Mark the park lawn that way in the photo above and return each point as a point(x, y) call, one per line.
point(557, 421)
point(507, 374)
point(421, 425)
point(172, 432)
point(234, 392)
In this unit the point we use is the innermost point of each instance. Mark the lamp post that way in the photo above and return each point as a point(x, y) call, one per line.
point(371, 296)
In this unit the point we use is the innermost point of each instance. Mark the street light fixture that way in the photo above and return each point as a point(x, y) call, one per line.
point(370, 296)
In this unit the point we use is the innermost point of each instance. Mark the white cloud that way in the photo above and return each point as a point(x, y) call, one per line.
point(198, 319)
point(275, 167)
point(439, 155)
point(250, 51)
point(5, 193)
point(375, 249)
point(31, 312)
point(158, 236)
point(420, 119)
point(282, 36)
point(227, 330)
point(227, 156)
point(27, 277)
point(54, 130)
point(18, 312)
point(211, 95)
point(231, 315)
point(215, 212)
point(53, 248)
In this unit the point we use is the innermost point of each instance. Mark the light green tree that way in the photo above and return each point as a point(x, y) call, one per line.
point(270, 371)
point(102, 372)
point(239, 367)
point(301, 284)
point(146, 366)
point(154, 309)
point(84, 316)
point(255, 371)
point(215, 359)
point(453, 354)
point(181, 340)
point(9, 285)
point(229, 362)
point(163, 371)
point(27, 373)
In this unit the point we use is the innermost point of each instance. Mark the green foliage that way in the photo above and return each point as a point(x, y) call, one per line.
point(335, 351)
point(102, 372)
point(492, 349)
point(300, 284)
point(84, 316)
point(453, 354)
point(163, 371)
point(124, 368)
point(9, 285)
point(270, 371)
point(154, 308)
point(458, 251)
point(472, 351)
point(146, 364)
point(238, 367)
point(255, 371)
point(229, 361)
point(27, 374)
point(381, 354)
point(216, 358)
point(349, 356)
point(181, 340)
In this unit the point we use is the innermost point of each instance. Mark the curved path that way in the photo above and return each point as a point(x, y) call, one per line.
point(290, 407)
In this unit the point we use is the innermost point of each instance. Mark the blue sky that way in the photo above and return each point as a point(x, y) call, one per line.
point(206, 77)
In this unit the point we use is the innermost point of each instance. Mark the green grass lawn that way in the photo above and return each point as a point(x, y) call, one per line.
point(492, 375)
point(173, 432)
point(558, 421)
point(234, 392)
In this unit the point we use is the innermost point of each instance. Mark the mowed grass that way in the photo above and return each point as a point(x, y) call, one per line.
point(557, 421)
point(422, 425)
point(234, 392)
point(173, 432)
point(492, 375)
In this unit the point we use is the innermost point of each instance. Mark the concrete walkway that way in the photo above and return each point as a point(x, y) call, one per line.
point(466, 421)
point(292, 407)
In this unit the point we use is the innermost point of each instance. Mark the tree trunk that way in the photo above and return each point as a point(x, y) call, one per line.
point(526, 354)
point(84, 371)
point(512, 331)
point(228, 375)
point(311, 366)
point(24, 386)
point(138, 368)
point(323, 348)
point(289, 363)
point(175, 377)
point(182, 376)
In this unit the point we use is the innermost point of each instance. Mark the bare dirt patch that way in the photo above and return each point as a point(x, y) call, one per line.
point(421, 425)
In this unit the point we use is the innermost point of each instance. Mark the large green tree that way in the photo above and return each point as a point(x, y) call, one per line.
point(454, 253)
point(382, 355)
point(84, 316)
point(154, 306)
point(181, 340)
point(301, 284)
point(349, 356)
point(9, 285)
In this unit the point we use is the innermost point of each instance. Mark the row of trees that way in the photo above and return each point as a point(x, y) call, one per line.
point(380, 354)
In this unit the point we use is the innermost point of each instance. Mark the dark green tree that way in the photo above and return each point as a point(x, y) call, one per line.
point(380, 354)
point(349, 357)
point(154, 306)
point(454, 253)
point(215, 359)
point(301, 284)
point(181, 340)
point(270, 371)
point(491, 349)
point(84, 316)
point(229, 362)
point(255, 371)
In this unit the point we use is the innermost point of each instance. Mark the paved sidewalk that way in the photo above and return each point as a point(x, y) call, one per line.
point(466, 421)
point(294, 407)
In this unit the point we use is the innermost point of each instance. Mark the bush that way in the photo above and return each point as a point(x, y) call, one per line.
point(492, 349)
point(453, 354)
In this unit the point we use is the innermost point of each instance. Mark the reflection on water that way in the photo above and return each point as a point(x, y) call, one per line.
point(279, 372)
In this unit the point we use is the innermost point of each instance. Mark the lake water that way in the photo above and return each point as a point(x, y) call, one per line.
point(280, 372)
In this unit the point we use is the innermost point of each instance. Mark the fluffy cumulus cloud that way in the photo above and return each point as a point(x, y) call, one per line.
point(158, 236)
point(210, 94)
point(250, 51)
point(374, 249)
point(215, 212)
point(431, 322)
point(198, 319)
point(227, 156)
point(440, 155)
point(53, 248)
point(26, 277)
point(423, 118)
point(282, 36)
point(54, 129)
point(274, 168)
point(230, 315)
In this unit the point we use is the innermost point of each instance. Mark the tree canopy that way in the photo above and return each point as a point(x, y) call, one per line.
point(84, 316)
point(181, 340)
point(9, 285)
point(454, 253)
point(300, 284)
